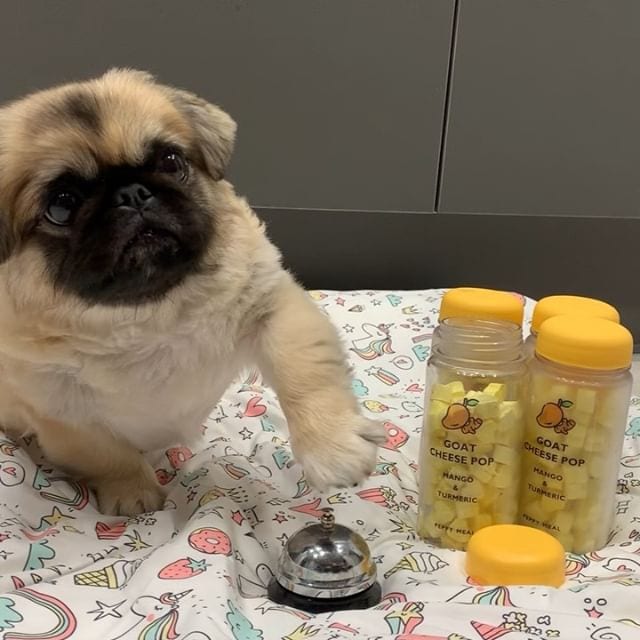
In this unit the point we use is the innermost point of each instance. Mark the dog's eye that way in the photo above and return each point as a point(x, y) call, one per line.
point(61, 207)
point(172, 162)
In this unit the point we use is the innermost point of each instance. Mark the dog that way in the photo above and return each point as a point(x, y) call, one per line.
point(135, 285)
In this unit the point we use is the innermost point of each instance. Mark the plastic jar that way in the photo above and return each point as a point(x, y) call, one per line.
point(578, 400)
point(566, 305)
point(472, 435)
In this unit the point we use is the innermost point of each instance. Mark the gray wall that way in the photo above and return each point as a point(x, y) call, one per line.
point(544, 108)
point(397, 143)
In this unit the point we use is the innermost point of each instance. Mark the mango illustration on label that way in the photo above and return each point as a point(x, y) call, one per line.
point(552, 416)
point(469, 461)
point(459, 417)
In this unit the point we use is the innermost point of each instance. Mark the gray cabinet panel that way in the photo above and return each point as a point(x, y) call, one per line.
point(545, 108)
point(339, 102)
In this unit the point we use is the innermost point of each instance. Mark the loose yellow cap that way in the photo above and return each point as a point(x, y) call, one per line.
point(586, 343)
point(481, 304)
point(511, 554)
point(571, 305)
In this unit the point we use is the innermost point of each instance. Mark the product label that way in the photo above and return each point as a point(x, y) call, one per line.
point(558, 438)
point(470, 455)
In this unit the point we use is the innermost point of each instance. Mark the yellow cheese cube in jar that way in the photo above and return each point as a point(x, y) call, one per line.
point(580, 382)
point(471, 448)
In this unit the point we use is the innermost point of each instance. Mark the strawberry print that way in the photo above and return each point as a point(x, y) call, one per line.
point(182, 569)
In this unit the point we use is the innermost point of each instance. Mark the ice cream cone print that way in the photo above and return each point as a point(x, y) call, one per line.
point(418, 562)
point(112, 576)
point(488, 631)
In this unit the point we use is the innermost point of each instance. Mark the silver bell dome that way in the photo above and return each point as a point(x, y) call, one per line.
point(326, 560)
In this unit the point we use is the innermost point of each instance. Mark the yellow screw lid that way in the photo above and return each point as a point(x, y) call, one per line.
point(571, 305)
point(511, 554)
point(481, 304)
point(586, 343)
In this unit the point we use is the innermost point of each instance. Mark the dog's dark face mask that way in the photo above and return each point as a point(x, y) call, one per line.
point(129, 235)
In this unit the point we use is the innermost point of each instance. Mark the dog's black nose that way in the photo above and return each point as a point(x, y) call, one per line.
point(132, 195)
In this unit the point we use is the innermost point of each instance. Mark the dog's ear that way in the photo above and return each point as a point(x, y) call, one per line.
point(215, 130)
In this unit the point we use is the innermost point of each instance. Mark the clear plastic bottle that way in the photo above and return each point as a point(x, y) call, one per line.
point(472, 434)
point(566, 305)
point(578, 399)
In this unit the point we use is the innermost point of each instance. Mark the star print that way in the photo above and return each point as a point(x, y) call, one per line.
point(137, 543)
point(371, 371)
point(5, 554)
point(238, 557)
point(414, 582)
point(237, 517)
point(348, 328)
point(4, 536)
point(191, 495)
point(378, 559)
point(340, 301)
point(107, 610)
point(246, 434)
point(55, 517)
point(283, 539)
point(280, 518)
point(402, 527)
point(593, 613)
point(376, 303)
point(239, 414)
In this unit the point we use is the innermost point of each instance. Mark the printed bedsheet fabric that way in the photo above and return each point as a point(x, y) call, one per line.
point(198, 570)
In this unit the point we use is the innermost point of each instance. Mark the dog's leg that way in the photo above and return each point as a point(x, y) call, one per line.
point(123, 481)
point(301, 357)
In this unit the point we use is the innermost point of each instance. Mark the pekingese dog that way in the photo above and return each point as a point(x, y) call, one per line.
point(135, 284)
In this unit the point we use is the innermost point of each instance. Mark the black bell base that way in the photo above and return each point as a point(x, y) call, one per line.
point(364, 600)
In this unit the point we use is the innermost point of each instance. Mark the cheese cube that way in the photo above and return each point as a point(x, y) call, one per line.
point(487, 406)
point(443, 512)
point(448, 393)
point(466, 510)
point(505, 455)
point(550, 505)
point(497, 390)
point(487, 433)
point(485, 474)
point(504, 476)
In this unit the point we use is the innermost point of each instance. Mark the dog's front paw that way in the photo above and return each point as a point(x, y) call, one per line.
point(129, 495)
point(340, 453)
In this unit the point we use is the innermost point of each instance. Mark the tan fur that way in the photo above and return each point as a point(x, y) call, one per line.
point(100, 384)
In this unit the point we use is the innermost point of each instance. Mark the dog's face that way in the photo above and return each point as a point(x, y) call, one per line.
point(111, 185)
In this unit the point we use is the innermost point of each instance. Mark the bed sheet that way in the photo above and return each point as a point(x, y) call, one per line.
point(198, 570)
